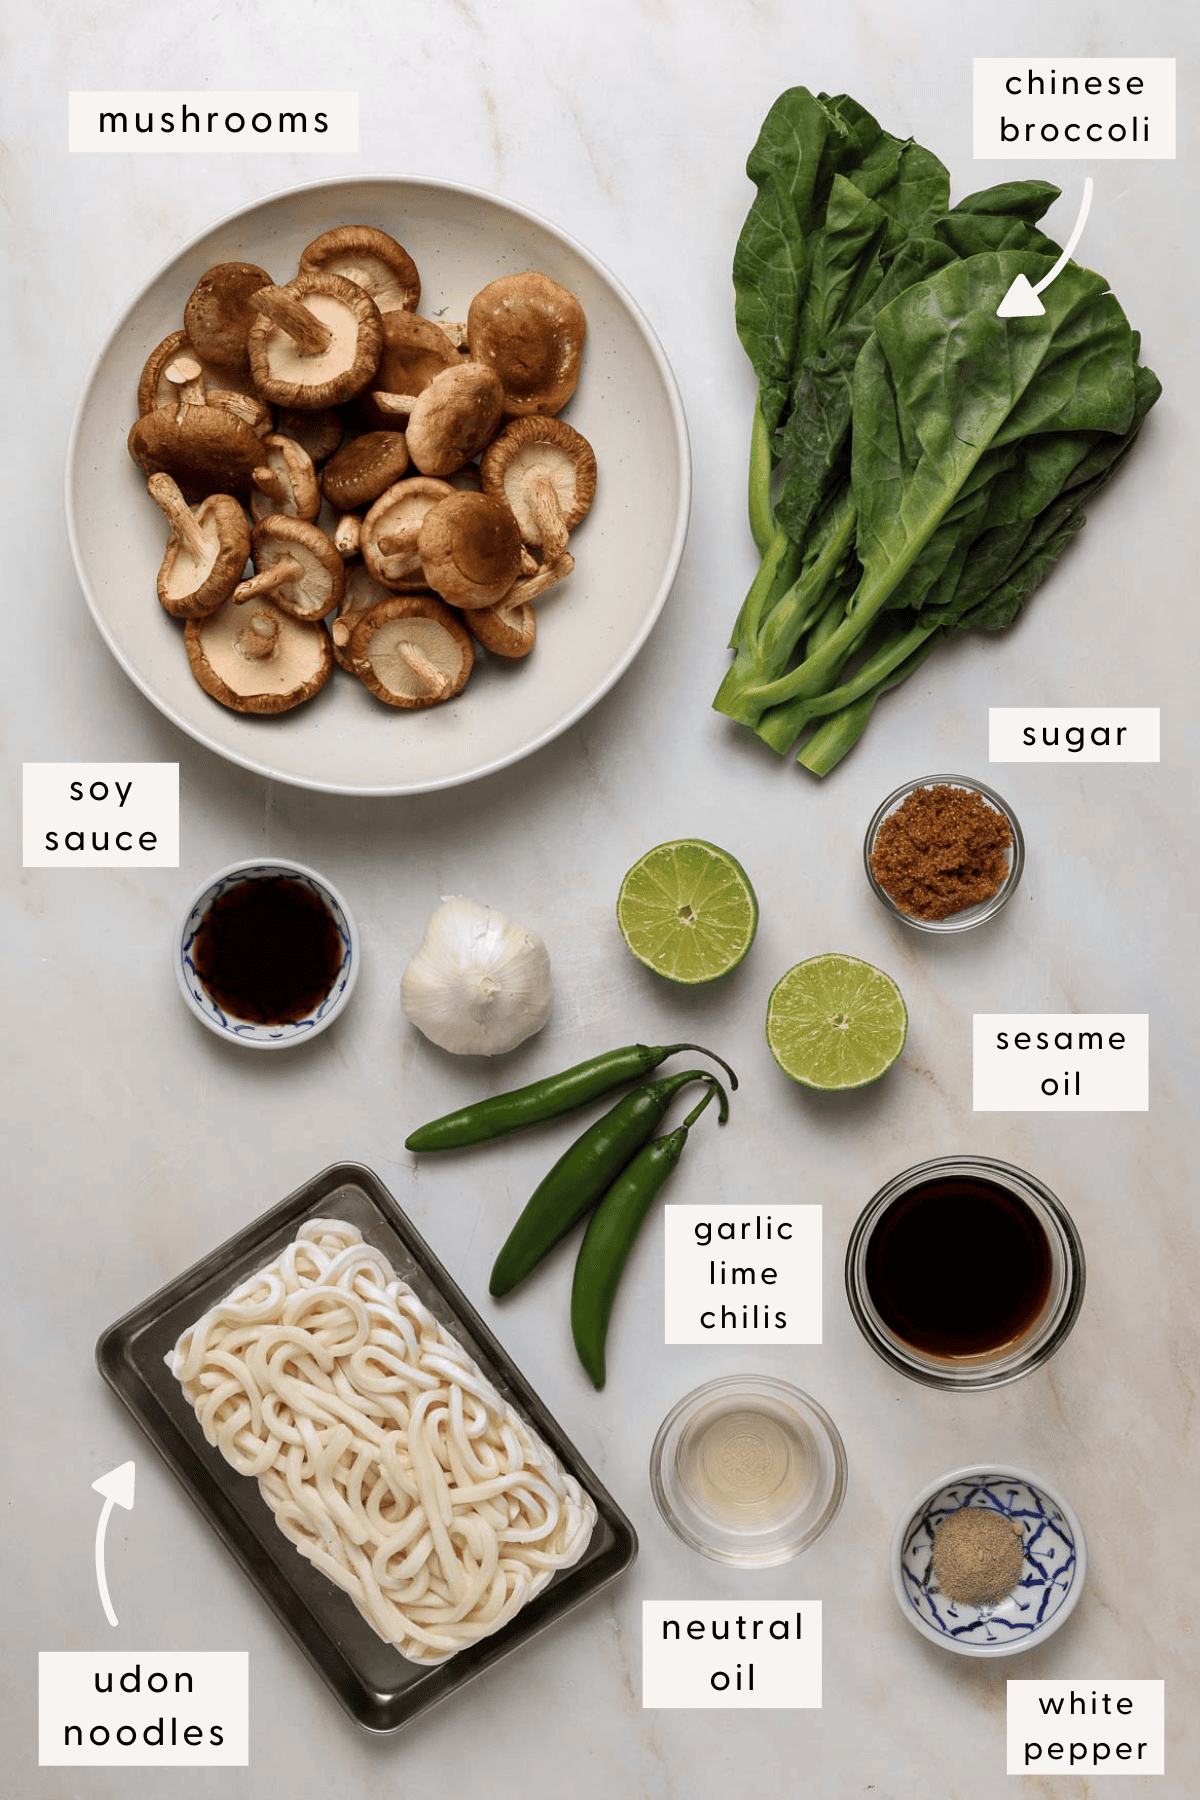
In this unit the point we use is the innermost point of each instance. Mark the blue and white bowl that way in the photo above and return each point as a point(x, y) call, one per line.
point(1051, 1580)
point(242, 1031)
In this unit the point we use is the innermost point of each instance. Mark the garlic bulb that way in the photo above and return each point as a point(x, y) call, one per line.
point(479, 985)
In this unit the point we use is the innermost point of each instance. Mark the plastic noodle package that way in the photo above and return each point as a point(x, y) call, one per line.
point(385, 1454)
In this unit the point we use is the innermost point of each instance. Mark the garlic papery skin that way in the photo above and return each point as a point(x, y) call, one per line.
point(479, 984)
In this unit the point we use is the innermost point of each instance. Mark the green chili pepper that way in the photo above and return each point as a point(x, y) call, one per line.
point(610, 1236)
point(585, 1172)
point(547, 1099)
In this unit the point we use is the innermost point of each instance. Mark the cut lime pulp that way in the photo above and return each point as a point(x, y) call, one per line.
point(834, 1022)
point(687, 910)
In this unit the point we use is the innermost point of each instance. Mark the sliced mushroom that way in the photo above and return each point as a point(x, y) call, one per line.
point(411, 651)
point(388, 540)
point(507, 629)
point(362, 593)
point(297, 567)
point(470, 549)
point(315, 342)
point(414, 351)
point(207, 449)
point(547, 473)
point(364, 468)
point(452, 419)
point(218, 314)
point(371, 259)
point(318, 428)
point(206, 552)
point(531, 332)
point(258, 660)
point(285, 482)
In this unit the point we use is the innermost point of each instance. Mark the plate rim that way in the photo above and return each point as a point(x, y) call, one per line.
point(314, 783)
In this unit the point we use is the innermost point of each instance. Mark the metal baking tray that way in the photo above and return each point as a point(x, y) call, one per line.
point(377, 1686)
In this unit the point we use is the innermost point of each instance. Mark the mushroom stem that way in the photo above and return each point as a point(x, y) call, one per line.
point(546, 577)
point(258, 638)
point(307, 332)
point(543, 498)
point(187, 378)
point(432, 678)
point(270, 482)
point(275, 575)
point(347, 534)
point(393, 403)
point(166, 495)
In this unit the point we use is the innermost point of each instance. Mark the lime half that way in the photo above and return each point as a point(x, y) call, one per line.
point(835, 1022)
point(687, 910)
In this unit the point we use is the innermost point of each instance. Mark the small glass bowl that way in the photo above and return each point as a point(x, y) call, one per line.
point(242, 1031)
point(1009, 1361)
point(748, 1470)
point(1051, 1579)
point(969, 916)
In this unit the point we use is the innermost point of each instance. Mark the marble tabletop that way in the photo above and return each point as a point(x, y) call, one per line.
point(138, 1142)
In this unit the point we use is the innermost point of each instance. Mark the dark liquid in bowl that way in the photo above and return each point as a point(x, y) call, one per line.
point(958, 1267)
point(268, 951)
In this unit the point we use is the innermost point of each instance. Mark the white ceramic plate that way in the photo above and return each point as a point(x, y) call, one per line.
point(589, 629)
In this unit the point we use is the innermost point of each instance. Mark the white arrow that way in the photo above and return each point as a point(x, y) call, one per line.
point(1021, 300)
point(117, 1488)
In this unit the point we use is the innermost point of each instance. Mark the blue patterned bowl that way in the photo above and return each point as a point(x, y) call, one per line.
point(1051, 1580)
point(242, 1031)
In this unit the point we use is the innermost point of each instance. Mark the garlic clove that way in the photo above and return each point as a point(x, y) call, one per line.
point(480, 984)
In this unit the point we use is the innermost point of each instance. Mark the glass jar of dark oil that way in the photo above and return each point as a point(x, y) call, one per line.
point(958, 1266)
point(964, 1272)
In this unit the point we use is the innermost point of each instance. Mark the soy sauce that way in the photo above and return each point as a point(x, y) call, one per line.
point(268, 951)
point(958, 1267)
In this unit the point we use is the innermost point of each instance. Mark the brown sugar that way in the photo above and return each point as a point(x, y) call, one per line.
point(978, 1556)
point(945, 848)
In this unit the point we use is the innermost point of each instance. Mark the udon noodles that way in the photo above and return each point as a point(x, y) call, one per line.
point(385, 1454)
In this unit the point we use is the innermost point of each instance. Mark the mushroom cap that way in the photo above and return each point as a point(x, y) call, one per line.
point(454, 417)
point(218, 316)
point(296, 669)
point(422, 625)
point(318, 428)
point(361, 470)
point(154, 390)
point(371, 259)
point(207, 449)
point(318, 589)
point(414, 351)
point(507, 468)
point(289, 378)
point(397, 515)
point(293, 465)
point(470, 549)
point(507, 629)
point(362, 593)
point(191, 586)
point(531, 332)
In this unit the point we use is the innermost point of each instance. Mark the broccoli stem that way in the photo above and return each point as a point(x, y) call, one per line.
point(768, 630)
point(839, 734)
point(762, 466)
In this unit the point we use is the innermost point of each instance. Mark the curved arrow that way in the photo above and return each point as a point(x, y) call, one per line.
point(1021, 300)
point(117, 1488)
